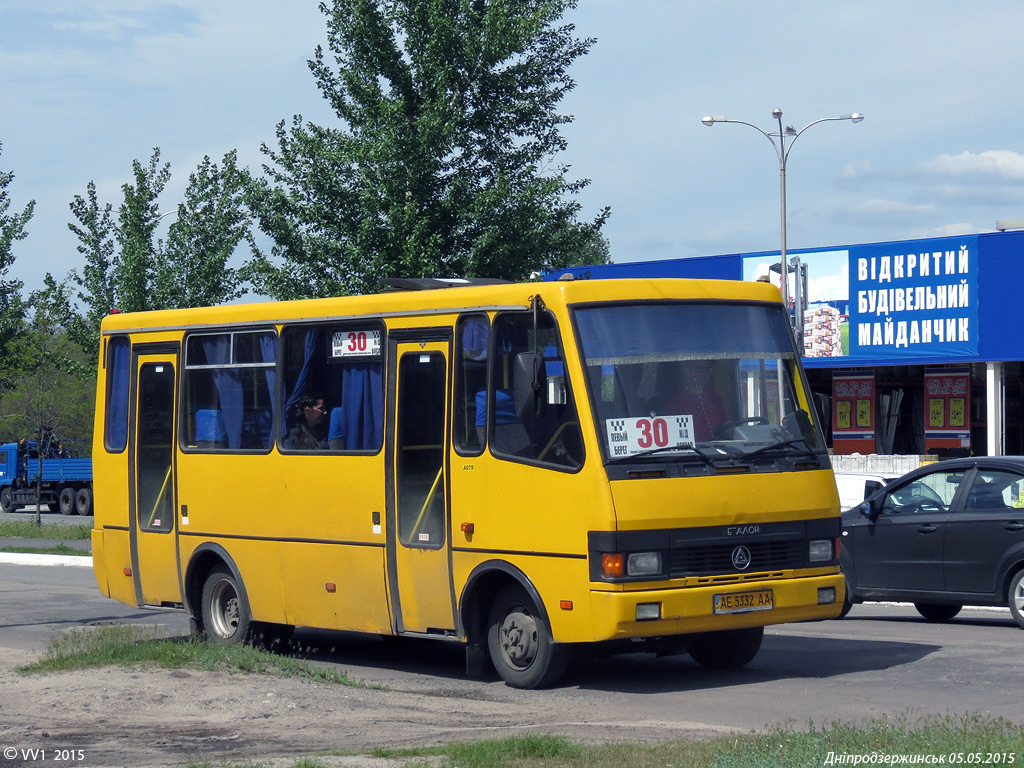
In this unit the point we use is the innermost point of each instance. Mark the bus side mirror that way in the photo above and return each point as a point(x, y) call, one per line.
point(529, 385)
point(798, 423)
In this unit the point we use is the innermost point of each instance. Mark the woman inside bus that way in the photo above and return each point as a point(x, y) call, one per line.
point(309, 432)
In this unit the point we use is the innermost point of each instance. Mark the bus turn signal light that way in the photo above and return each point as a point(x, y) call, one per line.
point(612, 565)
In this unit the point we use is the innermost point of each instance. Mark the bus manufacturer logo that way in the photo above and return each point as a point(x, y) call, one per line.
point(741, 558)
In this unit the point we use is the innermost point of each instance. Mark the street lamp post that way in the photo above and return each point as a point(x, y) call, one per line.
point(782, 150)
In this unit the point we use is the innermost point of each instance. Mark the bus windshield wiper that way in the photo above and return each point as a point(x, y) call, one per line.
point(808, 449)
point(662, 449)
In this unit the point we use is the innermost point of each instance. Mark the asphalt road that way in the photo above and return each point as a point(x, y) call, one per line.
point(881, 660)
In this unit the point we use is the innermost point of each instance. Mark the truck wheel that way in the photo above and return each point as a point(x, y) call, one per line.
point(520, 643)
point(67, 500)
point(6, 500)
point(83, 502)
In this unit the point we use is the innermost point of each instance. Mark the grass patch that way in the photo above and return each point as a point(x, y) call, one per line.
point(26, 529)
point(977, 738)
point(129, 645)
point(60, 549)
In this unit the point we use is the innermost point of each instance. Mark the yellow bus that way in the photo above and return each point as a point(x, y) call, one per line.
point(522, 468)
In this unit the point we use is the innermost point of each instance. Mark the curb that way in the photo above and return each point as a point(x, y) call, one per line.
point(17, 558)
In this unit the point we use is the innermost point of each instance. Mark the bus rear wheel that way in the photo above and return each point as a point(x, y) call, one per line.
point(226, 616)
point(520, 643)
point(727, 649)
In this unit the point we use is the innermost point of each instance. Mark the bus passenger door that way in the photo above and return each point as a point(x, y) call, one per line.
point(418, 539)
point(151, 481)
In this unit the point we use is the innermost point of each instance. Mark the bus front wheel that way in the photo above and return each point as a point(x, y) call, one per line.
point(727, 649)
point(520, 642)
point(226, 615)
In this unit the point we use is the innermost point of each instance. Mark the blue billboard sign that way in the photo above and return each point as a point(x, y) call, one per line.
point(914, 299)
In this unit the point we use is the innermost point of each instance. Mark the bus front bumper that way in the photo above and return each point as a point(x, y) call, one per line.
point(675, 611)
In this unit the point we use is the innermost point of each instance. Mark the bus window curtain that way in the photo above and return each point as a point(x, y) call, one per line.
point(229, 386)
point(362, 403)
point(302, 382)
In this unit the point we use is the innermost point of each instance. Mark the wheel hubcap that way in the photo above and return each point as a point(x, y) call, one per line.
point(224, 607)
point(1018, 598)
point(519, 638)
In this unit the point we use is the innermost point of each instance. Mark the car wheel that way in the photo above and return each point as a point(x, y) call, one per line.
point(520, 644)
point(1016, 598)
point(937, 612)
point(728, 649)
point(847, 603)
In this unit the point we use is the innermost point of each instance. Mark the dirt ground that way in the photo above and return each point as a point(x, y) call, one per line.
point(160, 717)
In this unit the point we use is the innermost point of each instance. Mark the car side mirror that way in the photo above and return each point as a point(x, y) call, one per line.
point(869, 510)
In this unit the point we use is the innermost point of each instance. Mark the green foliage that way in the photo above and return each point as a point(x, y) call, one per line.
point(95, 232)
point(23, 529)
point(50, 381)
point(444, 161)
point(12, 229)
point(191, 269)
point(134, 270)
point(126, 269)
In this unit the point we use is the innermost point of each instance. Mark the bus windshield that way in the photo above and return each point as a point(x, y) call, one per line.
point(708, 380)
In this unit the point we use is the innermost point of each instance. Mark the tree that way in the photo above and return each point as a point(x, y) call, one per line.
point(51, 382)
point(192, 269)
point(95, 232)
point(12, 229)
point(125, 269)
point(444, 163)
point(134, 269)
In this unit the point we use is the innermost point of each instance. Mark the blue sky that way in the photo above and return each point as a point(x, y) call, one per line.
point(87, 87)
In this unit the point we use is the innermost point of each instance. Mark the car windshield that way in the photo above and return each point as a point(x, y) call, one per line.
point(697, 380)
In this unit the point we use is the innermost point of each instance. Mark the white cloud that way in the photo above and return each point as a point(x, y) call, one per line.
point(1001, 163)
point(946, 230)
point(878, 207)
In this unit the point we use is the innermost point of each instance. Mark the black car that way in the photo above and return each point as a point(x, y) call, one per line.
point(942, 536)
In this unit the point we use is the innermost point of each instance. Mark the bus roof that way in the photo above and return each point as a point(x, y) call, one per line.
point(444, 300)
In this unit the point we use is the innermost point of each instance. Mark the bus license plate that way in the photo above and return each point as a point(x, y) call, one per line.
point(740, 602)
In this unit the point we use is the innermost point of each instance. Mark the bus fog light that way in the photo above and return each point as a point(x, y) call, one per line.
point(648, 611)
point(820, 551)
point(643, 564)
point(826, 595)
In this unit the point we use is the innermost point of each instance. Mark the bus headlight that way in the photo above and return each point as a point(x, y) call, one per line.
point(643, 564)
point(820, 551)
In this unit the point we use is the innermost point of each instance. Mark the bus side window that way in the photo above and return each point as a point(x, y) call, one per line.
point(229, 390)
point(551, 437)
point(469, 417)
point(342, 366)
point(118, 381)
